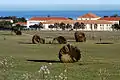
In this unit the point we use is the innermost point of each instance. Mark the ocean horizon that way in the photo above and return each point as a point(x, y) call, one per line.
point(67, 14)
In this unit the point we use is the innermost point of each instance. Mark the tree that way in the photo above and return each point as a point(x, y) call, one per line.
point(56, 25)
point(115, 15)
point(35, 26)
point(68, 26)
point(48, 15)
point(5, 25)
point(116, 27)
point(62, 25)
point(14, 18)
point(82, 26)
point(76, 25)
point(22, 19)
point(70, 18)
point(18, 26)
point(40, 25)
point(51, 27)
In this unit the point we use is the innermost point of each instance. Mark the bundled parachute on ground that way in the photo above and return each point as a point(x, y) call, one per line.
point(69, 54)
point(18, 32)
point(36, 39)
point(79, 36)
point(60, 40)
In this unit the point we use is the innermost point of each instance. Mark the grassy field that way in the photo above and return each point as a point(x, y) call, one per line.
point(21, 60)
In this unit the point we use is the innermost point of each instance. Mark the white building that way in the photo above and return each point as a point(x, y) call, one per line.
point(114, 20)
point(91, 21)
point(37, 20)
point(89, 16)
point(90, 25)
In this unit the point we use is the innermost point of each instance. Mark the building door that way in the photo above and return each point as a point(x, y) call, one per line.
point(91, 27)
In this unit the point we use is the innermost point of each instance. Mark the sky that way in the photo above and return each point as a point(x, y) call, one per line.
point(59, 4)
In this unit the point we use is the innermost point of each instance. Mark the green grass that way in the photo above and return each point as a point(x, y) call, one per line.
point(98, 62)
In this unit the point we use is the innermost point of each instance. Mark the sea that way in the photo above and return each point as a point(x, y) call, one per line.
point(67, 14)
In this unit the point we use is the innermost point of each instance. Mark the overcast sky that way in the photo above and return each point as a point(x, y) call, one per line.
point(63, 4)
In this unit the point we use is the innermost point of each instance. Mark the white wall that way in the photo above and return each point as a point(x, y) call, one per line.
point(100, 27)
point(103, 27)
point(32, 22)
point(88, 18)
point(88, 27)
point(115, 22)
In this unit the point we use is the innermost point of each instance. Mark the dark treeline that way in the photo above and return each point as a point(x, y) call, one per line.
point(64, 26)
point(8, 25)
point(5, 25)
point(15, 19)
point(115, 15)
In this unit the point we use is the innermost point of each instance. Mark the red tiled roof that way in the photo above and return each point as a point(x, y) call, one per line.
point(80, 21)
point(48, 18)
point(89, 15)
point(94, 22)
point(59, 21)
point(110, 18)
